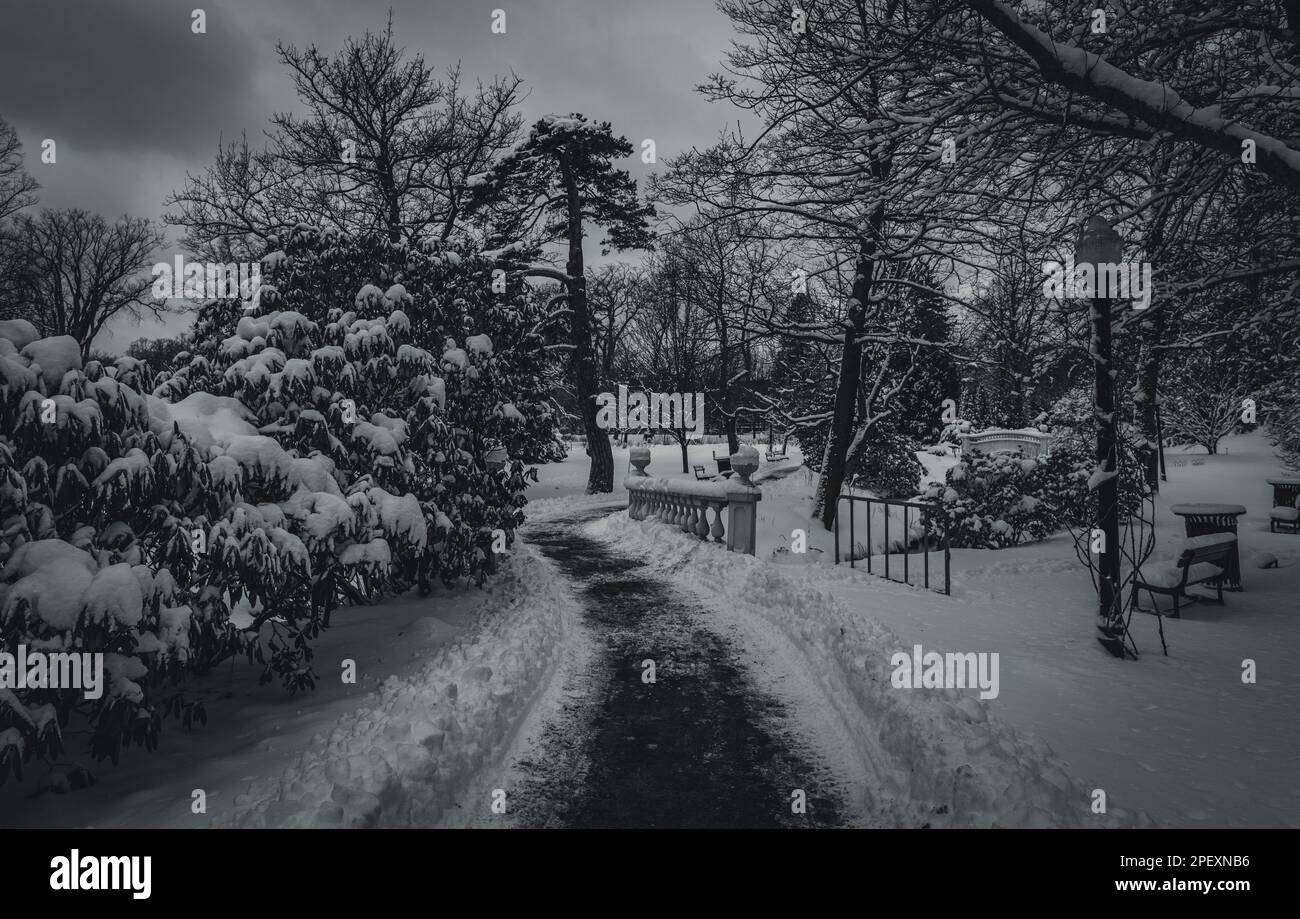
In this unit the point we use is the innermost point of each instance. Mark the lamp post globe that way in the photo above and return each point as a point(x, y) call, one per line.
point(1098, 244)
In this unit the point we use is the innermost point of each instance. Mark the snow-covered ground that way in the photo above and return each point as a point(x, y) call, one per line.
point(453, 688)
point(443, 684)
point(1180, 739)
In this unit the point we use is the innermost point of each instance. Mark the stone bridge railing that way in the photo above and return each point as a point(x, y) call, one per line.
point(698, 507)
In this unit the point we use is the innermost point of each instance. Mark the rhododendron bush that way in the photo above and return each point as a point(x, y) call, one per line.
point(284, 467)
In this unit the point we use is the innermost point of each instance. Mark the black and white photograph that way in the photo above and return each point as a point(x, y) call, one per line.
point(858, 415)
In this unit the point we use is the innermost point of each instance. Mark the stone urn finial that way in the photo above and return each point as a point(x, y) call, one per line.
point(640, 457)
point(745, 462)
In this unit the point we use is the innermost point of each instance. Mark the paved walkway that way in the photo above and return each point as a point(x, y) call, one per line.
point(699, 747)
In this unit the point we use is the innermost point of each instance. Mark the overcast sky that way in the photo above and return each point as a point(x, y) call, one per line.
point(134, 99)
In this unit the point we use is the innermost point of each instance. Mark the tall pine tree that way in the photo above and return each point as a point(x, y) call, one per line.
point(549, 190)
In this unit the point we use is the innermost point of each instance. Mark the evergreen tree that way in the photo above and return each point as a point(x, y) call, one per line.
point(556, 184)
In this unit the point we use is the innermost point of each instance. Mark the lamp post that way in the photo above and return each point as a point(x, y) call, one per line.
point(1098, 245)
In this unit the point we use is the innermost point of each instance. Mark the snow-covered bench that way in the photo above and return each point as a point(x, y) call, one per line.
point(773, 454)
point(1284, 516)
point(1204, 558)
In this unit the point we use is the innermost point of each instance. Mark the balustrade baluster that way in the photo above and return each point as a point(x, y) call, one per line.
point(657, 500)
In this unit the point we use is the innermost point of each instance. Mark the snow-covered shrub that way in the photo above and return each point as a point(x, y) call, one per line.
point(953, 431)
point(888, 467)
point(1005, 499)
point(89, 495)
point(445, 294)
point(992, 501)
point(1071, 464)
point(286, 467)
point(365, 412)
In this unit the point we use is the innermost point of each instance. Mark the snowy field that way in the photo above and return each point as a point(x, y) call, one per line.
point(1178, 738)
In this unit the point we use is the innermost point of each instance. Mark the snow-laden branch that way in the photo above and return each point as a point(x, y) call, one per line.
point(1153, 103)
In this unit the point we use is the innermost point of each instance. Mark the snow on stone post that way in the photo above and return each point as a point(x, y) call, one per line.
point(1098, 245)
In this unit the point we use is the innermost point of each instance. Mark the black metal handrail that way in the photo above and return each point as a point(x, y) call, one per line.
point(926, 508)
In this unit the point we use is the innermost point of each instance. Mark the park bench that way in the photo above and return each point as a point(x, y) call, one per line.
point(1285, 511)
point(700, 474)
point(1204, 558)
point(773, 454)
point(724, 462)
point(1288, 517)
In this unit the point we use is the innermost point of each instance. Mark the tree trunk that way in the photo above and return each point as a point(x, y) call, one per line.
point(1149, 386)
point(601, 478)
point(1110, 613)
point(728, 393)
point(846, 389)
point(1149, 374)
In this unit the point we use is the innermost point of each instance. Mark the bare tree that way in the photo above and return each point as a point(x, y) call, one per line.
point(82, 271)
point(385, 146)
point(727, 267)
point(17, 191)
point(1207, 399)
point(670, 344)
point(617, 293)
point(17, 188)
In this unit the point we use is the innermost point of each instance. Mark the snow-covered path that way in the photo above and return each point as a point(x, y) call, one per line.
point(698, 746)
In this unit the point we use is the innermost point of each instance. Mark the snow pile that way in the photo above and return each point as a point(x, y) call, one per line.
point(926, 757)
point(410, 757)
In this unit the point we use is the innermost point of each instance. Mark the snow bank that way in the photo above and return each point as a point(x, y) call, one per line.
point(926, 757)
point(412, 755)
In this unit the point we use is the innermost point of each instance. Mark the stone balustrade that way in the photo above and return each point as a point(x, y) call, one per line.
point(697, 507)
point(1031, 442)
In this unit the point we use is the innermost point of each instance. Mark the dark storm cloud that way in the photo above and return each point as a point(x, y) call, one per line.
point(126, 77)
point(135, 100)
point(123, 75)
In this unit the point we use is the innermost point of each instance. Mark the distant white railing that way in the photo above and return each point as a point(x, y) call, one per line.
point(697, 507)
point(999, 440)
